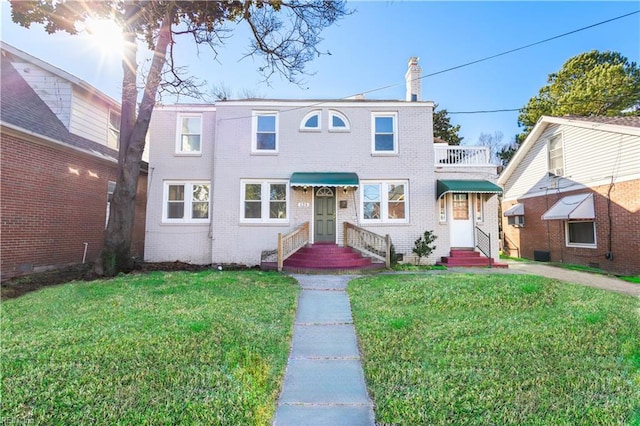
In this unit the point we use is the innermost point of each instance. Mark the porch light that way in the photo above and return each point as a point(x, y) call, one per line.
point(305, 189)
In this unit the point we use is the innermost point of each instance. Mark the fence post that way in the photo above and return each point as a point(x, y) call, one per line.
point(280, 254)
point(388, 253)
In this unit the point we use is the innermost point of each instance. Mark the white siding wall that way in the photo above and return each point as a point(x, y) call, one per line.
point(54, 91)
point(318, 152)
point(591, 158)
point(170, 242)
point(89, 117)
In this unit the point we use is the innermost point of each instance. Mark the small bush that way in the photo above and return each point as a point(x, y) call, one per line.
point(423, 246)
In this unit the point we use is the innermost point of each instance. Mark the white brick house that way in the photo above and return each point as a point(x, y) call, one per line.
point(226, 179)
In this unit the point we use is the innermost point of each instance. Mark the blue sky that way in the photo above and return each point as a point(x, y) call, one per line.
point(370, 48)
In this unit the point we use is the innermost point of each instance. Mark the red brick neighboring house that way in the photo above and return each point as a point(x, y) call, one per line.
point(56, 168)
point(572, 194)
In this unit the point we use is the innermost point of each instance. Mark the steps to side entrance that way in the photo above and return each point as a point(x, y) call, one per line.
point(468, 258)
point(328, 258)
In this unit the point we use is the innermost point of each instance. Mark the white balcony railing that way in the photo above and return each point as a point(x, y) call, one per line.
point(446, 155)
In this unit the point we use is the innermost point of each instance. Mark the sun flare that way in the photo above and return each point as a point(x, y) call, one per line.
point(105, 35)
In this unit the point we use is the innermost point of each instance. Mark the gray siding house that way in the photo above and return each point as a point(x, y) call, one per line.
point(227, 179)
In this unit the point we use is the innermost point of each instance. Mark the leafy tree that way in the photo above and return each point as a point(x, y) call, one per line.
point(285, 33)
point(423, 246)
point(443, 129)
point(591, 83)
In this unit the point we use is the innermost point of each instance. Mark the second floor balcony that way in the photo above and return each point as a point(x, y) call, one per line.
point(461, 156)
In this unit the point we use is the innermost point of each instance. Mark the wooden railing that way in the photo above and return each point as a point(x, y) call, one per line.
point(483, 243)
point(462, 155)
point(292, 242)
point(368, 243)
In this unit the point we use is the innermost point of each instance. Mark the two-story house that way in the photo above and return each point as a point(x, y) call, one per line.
point(58, 164)
point(572, 193)
point(228, 179)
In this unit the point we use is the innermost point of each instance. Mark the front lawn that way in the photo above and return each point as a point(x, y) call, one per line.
point(497, 349)
point(160, 348)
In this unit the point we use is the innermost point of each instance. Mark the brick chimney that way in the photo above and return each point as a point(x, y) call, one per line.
point(412, 78)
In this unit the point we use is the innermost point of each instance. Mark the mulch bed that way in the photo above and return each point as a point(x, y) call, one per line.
point(19, 286)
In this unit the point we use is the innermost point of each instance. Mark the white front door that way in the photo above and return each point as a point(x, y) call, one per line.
point(462, 229)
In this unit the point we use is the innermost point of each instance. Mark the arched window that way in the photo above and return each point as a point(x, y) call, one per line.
point(311, 121)
point(338, 122)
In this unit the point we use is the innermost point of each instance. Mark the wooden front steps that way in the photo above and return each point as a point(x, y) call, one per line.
point(326, 258)
point(468, 258)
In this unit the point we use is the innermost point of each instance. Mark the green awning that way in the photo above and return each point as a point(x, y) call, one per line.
point(465, 186)
point(324, 179)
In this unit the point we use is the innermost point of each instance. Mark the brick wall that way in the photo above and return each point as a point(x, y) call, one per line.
point(52, 202)
point(622, 238)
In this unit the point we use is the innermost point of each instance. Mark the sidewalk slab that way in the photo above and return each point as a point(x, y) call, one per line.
point(323, 307)
point(312, 415)
point(324, 382)
point(323, 282)
point(324, 341)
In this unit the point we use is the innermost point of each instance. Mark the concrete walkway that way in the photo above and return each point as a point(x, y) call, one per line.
point(324, 382)
point(577, 277)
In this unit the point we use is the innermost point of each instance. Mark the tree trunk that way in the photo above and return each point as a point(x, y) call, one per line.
point(115, 256)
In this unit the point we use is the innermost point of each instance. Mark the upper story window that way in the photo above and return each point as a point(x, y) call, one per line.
point(113, 132)
point(186, 202)
point(265, 132)
point(189, 134)
point(385, 134)
point(338, 122)
point(311, 121)
point(384, 202)
point(556, 156)
point(264, 201)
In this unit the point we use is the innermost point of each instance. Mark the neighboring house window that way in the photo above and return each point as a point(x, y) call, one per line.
point(111, 188)
point(186, 202)
point(581, 233)
point(556, 157)
point(264, 201)
point(311, 121)
point(265, 133)
point(338, 122)
point(113, 133)
point(384, 140)
point(443, 208)
point(189, 140)
point(479, 208)
point(384, 202)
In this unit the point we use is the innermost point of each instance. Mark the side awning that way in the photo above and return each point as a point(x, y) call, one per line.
point(324, 179)
point(515, 210)
point(578, 206)
point(464, 186)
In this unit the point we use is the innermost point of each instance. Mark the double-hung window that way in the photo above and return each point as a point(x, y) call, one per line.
point(264, 201)
point(384, 138)
point(384, 202)
point(265, 132)
point(556, 157)
point(113, 133)
point(186, 202)
point(189, 134)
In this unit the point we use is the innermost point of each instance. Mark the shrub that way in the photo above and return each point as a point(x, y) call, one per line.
point(423, 246)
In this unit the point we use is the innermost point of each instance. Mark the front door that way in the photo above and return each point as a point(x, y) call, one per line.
point(325, 215)
point(462, 224)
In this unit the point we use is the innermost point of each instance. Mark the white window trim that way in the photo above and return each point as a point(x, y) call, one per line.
point(341, 116)
point(561, 137)
point(112, 129)
point(254, 133)
point(580, 245)
point(264, 198)
point(384, 201)
point(478, 216)
point(303, 128)
point(188, 200)
point(395, 133)
point(442, 208)
point(178, 150)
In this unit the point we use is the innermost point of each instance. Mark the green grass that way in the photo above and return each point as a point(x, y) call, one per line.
point(162, 348)
point(412, 267)
point(497, 349)
point(632, 279)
